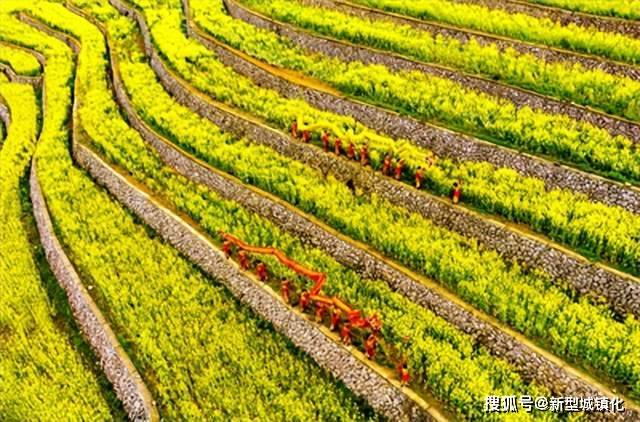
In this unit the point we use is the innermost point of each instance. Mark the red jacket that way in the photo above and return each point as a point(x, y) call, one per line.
point(351, 151)
point(325, 141)
point(398, 170)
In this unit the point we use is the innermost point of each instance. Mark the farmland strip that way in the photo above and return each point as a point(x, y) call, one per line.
point(19, 60)
point(493, 126)
point(499, 68)
point(576, 17)
point(385, 398)
point(512, 19)
point(616, 9)
point(622, 291)
point(35, 336)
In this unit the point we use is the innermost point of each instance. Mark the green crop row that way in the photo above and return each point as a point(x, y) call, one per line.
point(528, 301)
point(20, 61)
point(589, 40)
point(604, 231)
point(42, 373)
point(202, 354)
point(571, 82)
point(466, 364)
point(449, 103)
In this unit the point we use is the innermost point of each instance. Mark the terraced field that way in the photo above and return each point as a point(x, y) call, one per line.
point(176, 175)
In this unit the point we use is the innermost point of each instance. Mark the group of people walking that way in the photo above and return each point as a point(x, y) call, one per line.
point(320, 309)
point(389, 168)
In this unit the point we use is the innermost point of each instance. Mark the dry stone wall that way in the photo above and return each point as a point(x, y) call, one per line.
point(530, 365)
point(14, 77)
point(118, 368)
point(115, 363)
point(548, 54)
point(443, 142)
point(36, 81)
point(565, 17)
point(5, 116)
point(622, 292)
point(362, 380)
point(520, 97)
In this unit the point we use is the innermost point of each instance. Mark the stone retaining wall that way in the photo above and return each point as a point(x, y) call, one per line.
point(5, 116)
point(520, 97)
point(363, 381)
point(36, 81)
point(529, 364)
point(539, 50)
point(443, 142)
point(565, 17)
point(548, 54)
point(114, 362)
point(622, 292)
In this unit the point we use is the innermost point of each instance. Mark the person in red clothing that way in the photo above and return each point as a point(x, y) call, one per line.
point(337, 146)
point(419, 177)
point(345, 333)
point(335, 319)
point(386, 165)
point(397, 173)
point(364, 155)
point(325, 141)
point(321, 308)
point(261, 271)
point(403, 372)
point(370, 347)
point(243, 258)
point(456, 192)
point(306, 136)
point(226, 248)
point(294, 129)
point(285, 288)
point(305, 298)
point(351, 151)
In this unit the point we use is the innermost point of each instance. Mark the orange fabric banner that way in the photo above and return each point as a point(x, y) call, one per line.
point(317, 277)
